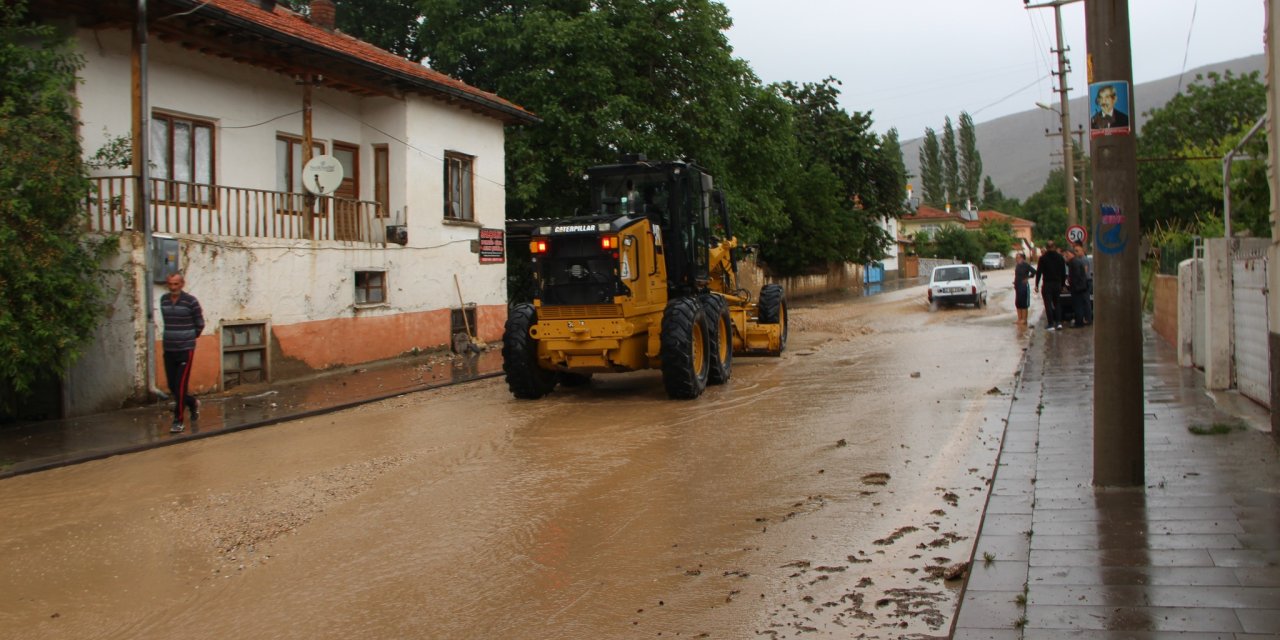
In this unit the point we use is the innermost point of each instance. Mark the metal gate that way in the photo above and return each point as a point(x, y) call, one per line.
point(1251, 351)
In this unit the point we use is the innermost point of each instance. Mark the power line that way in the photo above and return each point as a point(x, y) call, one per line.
point(1187, 50)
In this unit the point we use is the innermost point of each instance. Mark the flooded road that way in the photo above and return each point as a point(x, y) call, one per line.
point(820, 494)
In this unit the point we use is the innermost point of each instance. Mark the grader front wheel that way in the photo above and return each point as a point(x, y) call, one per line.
point(525, 378)
point(686, 353)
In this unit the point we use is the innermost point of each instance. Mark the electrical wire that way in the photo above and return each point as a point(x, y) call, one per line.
point(1187, 50)
point(406, 143)
point(250, 126)
point(1024, 88)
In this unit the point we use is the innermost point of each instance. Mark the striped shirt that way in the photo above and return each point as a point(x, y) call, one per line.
point(183, 321)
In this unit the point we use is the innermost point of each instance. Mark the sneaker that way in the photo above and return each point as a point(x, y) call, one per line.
point(176, 428)
point(1059, 325)
point(1049, 328)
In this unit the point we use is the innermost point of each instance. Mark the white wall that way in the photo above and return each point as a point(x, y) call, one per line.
point(288, 281)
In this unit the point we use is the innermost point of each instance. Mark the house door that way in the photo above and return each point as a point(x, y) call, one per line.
point(1249, 313)
point(346, 212)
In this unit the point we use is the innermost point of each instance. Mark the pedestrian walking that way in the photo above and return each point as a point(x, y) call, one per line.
point(1022, 273)
point(183, 323)
point(1052, 270)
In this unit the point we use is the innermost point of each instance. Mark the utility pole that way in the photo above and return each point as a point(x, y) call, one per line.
point(1118, 453)
point(1065, 111)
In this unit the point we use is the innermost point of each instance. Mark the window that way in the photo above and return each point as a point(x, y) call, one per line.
point(371, 287)
point(458, 186)
point(289, 162)
point(182, 154)
point(244, 354)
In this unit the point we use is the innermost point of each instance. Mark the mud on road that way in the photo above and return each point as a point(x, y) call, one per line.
point(825, 493)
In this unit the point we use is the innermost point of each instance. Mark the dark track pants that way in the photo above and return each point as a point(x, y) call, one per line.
point(177, 371)
point(1049, 292)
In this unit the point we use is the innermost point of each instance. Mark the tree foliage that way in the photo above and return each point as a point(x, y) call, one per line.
point(932, 182)
point(951, 164)
point(970, 161)
point(952, 242)
point(1047, 208)
point(1207, 120)
point(50, 289)
point(394, 25)
point(658, 77)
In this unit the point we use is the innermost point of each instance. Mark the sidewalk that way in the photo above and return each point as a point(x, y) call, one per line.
point(53, 443)
point(1195, 554)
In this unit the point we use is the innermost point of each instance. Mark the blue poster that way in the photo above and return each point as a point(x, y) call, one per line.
point(1109, 109)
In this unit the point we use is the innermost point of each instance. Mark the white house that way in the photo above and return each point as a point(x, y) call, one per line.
point(289, 284)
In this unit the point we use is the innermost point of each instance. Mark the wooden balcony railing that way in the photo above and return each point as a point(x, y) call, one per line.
point(201, 209)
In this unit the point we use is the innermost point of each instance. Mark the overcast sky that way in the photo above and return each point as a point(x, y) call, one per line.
point(914, 62)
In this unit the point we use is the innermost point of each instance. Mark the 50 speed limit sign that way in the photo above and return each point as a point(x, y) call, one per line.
point(1076, 233)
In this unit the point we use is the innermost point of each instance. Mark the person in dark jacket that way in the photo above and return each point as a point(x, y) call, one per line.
point(1022, 272)
point(1052, 269)
point(1078, 284)
point(183, 323)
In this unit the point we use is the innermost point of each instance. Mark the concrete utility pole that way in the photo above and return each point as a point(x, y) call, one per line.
point(1118, 454)
point(1065, 111)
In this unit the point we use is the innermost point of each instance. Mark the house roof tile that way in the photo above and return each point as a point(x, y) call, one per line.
point(268, 34)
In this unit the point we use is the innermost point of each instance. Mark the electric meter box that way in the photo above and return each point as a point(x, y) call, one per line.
point(164, 258)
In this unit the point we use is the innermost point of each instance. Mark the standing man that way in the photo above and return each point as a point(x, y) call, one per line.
point(1053, 270)
point(1088, 266)
point(1022, 272)
point(1078, 284)
point(183, 323)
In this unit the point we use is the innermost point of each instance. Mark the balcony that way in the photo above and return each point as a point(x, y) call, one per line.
point(202, 209)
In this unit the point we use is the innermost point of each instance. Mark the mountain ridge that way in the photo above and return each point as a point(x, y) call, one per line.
point(1018, 155)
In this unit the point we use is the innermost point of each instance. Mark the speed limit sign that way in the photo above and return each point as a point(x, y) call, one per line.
point(1076, 233)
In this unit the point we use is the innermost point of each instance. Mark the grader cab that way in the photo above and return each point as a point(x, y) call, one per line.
point(647, 279)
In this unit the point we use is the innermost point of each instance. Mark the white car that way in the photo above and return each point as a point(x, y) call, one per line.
point(993, 260)
point(951, 284)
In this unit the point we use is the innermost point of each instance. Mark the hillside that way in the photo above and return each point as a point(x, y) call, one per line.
point(1018, 156)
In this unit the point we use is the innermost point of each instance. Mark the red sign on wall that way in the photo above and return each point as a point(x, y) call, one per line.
point(493, 246)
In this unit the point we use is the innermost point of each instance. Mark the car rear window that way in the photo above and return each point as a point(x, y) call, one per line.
point(951, 273)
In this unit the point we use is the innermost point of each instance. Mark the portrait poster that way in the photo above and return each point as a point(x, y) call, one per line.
point(1110, 109)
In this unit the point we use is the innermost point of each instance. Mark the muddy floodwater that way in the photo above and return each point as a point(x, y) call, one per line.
point(819, 494)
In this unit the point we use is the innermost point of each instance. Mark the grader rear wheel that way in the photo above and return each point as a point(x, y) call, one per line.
point(721, 336)
point(773, 310)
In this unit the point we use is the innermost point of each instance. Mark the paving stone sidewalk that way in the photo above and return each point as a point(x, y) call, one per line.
point(1195, 554)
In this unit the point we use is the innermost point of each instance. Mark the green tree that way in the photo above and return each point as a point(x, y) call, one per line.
point(836, 222)
point(932, 183)
point(951, 165)
point(956, 243)
point(970, 159)
point(50, 286)
point(677, 92)
point(892, 149)
point(994, 199)
point(996, 235)
point(1205, 121)
point(1047, 208)
point(394, 25)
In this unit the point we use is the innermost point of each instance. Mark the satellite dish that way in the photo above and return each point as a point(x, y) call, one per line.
point(322, 175)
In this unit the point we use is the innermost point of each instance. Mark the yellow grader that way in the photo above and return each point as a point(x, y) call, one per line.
point(647, 279)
